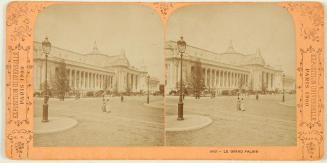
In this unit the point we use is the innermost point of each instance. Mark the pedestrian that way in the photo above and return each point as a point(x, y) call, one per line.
point(121, 98)
point(104, 103)
point(107, 106)
point(257, 96)
point(242, 106)
point(238, 104)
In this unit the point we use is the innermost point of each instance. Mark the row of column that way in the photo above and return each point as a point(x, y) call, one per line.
point(132, 81)
point(173, 74)
point(128, 80)
point(213, 78)
point(79, 79)
point(267, 80)
point(219, 78)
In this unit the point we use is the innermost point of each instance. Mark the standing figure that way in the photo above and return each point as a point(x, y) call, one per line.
point(104, 103)
point(121, 98)
point(242, 106)
point(238, 104)
point(257, 96)
point(107, 106)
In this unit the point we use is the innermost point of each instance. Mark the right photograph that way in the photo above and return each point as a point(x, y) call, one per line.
point(230, 76)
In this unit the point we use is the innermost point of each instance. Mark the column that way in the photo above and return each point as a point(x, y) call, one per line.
point(216, 79)
point(79, 79)
point(227, 79)
point(86, 79)
point(101, 81)
point(95, 81)
point(272, 80)
point(98, 81)
point(70, 78)
point(232, 79)
point(213, 78)
point(132, 82)
point(82, 76)
point(235, 79)
point(92, 81)
point(223, 79)
point(209, 78)
point(111, 82)
point(82, 79)
point(137, 82)
point(89, 80)
point(239, 80)
point(205, 77)
point(75, 80)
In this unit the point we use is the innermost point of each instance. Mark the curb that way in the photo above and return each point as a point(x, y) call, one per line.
point(289, 105)
point(54, 125)
point(207, 121)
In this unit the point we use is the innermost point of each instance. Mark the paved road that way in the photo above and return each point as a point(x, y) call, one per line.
point(265, 122)
point(129, 123)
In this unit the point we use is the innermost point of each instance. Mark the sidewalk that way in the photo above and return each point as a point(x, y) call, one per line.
point(190, 122)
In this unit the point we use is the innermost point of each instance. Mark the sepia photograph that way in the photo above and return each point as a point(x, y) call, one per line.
point(98, 76)
point(164, 80)
point(230, 76)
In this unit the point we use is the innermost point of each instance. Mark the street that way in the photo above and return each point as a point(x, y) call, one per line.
point(265, 122)
point(130, 123)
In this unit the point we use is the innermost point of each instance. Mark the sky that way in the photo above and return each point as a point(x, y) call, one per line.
point(250, 27)
point(138, 31)
point(135, 29)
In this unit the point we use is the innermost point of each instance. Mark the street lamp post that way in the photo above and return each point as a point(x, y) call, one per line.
point(283, 99)
point(148, 98)
point(46, 47)
point(181, 45)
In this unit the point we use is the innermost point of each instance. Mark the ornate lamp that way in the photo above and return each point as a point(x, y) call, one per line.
point(46, 48)
point(181, 46)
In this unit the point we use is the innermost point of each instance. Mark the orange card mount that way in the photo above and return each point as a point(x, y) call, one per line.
point(197, 80)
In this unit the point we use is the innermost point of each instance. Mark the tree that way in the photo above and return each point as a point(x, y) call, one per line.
point(60, 84)
point(197, 81)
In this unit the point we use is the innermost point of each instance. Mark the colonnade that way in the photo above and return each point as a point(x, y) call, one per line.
point(132, 81)
point(220, 78)
point(267, 80)
point(224, 78)
point(86, 80)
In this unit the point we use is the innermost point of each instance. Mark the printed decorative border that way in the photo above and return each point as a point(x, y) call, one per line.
point(19, 68)
point(308, 20)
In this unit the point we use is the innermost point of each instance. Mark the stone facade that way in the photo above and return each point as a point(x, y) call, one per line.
point(89, 72)
point(222, 71)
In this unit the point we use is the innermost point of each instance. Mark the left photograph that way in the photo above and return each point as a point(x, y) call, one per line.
point(98, 76)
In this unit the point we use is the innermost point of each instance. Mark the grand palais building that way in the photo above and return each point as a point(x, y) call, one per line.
point(224, 71)
point(91, 72)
